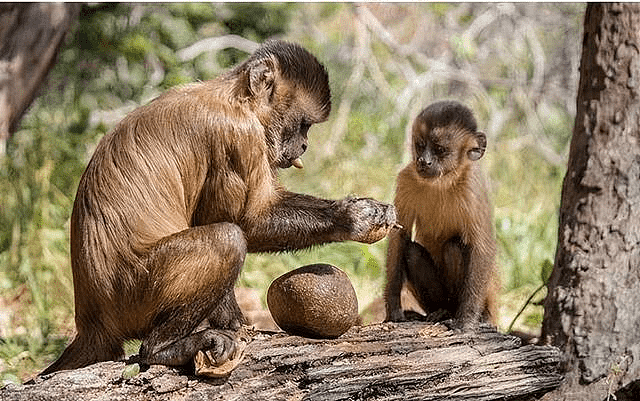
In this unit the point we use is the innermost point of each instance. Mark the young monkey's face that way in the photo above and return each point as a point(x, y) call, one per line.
point(442, 150)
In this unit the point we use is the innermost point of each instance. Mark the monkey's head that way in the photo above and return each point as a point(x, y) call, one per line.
point(289, 91)
point(445, 139)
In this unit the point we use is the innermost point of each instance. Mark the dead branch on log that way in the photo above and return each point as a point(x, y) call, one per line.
point(388, 361)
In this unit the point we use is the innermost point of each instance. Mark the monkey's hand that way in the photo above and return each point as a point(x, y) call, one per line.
point(460, 324)
point(370, 220)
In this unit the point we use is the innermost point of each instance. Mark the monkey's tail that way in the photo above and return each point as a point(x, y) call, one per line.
point(84, 352)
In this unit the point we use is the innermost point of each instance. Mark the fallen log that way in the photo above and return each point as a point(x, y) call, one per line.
point(387, 361)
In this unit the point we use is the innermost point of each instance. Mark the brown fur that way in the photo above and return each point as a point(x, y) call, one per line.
point(450, 264)
point(180, 190)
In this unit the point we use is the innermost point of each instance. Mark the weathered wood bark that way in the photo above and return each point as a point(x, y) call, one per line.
point(592, 311)
point(402, 361)
point(30, 36)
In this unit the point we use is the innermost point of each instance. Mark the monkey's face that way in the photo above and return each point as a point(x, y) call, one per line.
point(294, 144)
point(289, 90)
point(304, 110)
point(433, 152)
point(441, 151)
point(445, 140)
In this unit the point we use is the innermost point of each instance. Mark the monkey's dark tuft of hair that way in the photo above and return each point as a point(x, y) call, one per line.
point(299, 66)
point(448, 112)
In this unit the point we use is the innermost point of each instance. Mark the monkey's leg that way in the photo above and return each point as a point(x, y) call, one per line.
point(228, 314)
point(426, 278)
point(455, 259)
point(193, 273)
point(464, 281)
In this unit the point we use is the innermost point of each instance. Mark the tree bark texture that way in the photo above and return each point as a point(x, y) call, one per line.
point(30, 36)
point(387, 361)
point(592, 312)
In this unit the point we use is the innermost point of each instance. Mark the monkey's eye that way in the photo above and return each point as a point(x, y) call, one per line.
point(439, 150)
point(304, 128)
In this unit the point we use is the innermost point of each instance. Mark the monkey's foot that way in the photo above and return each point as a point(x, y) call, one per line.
point(207, 364)
point(397, 316)
point(459, 325)
point(411, 315)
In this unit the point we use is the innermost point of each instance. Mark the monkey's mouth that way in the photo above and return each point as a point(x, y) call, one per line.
point(296, 162)
point(428, 172)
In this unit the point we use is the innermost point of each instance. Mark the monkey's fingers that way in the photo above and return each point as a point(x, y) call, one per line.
point(206, 364)
point(376, 234)
point(382, 231)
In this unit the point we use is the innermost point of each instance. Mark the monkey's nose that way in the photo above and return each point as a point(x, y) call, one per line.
point(423, 164)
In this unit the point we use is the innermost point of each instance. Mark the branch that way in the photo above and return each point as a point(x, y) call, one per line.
point(350, 92)
point(216, 44)
point(387, 361)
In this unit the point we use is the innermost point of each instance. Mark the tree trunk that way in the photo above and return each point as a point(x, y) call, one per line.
point(30, 36)
point(592, 311)
point(387, 361)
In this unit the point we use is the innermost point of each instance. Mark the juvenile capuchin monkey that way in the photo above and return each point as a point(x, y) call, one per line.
point(442, 197)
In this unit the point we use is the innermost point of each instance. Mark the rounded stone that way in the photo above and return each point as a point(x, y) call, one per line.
point(316, 301)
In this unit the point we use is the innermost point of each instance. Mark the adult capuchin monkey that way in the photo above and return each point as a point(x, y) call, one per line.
point(179, 192)
point(442, 196)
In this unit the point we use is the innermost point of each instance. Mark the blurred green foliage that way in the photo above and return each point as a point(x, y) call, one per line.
point(515, 72)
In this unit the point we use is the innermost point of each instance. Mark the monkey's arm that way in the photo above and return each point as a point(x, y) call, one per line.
point(396, 274)
point(396, 250)
point(481, 282)
point(299, 221)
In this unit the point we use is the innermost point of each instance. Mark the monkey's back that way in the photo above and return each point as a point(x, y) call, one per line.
point(123, 203)
point(132, 194)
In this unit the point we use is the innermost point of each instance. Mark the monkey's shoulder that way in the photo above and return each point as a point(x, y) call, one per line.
point(203, 101)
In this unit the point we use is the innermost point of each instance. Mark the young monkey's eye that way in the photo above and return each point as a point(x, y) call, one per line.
point(439, 150)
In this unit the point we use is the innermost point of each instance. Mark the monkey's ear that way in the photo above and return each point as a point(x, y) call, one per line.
point(261, 78)
point(477, 152)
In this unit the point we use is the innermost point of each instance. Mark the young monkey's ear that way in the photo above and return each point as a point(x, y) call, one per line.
point(477, 151)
